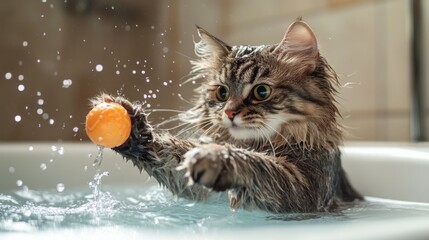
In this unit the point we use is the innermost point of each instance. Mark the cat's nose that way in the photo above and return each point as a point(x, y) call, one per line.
point(231, 114)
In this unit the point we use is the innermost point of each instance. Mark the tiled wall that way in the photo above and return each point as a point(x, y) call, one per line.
point(367, 43)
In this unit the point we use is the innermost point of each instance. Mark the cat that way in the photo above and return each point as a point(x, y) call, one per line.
point(270, 113)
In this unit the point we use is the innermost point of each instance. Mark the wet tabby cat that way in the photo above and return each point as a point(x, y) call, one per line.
point(270, 113)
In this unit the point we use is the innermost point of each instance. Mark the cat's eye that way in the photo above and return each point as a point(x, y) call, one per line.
point(261, 92)
point(222, 93)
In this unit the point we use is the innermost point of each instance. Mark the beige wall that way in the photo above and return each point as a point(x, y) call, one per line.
point(367, 42)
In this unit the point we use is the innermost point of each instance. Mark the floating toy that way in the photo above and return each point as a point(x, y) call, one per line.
point(108, 124)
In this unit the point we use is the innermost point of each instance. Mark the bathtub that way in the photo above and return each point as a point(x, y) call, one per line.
point(395, 171)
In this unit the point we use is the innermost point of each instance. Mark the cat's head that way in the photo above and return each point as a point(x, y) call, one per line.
point(259, 92)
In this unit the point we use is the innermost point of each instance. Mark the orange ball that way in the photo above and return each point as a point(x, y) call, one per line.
point(108, 125)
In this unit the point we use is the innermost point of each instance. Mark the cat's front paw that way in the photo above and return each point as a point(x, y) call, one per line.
point(206, 165)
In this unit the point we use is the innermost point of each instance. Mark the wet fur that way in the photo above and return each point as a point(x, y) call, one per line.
point(297, 169)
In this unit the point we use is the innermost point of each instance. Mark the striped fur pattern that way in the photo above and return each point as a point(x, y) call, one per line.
point(270, 114)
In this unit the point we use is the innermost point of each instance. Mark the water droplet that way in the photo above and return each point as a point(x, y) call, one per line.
point(21, 87)
point(99, 68)
point(61, 151)
point(43, 166)
point(21, 77)
point(60, 187)
point(24, 43)
point(67, 83)
point(19, 183)
point(8, 75)
point(75, 129)
point(11, 169)
point(17, 118)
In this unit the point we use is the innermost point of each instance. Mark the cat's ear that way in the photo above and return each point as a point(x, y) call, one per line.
point(299, 43)
point(210, 45)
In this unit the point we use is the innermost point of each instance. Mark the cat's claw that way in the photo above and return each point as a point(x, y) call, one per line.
point(206, 166)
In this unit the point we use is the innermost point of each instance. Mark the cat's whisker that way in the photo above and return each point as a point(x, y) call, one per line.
point(197, 126)
point(164, 110)
point(264, 135)
point(207, 131)
point(200, 125)
point(175, 127)
point(167, 121)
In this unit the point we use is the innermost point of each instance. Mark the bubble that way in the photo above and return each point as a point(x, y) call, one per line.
point(39, 111)
point(60, 187)
point(30, 148)
point(99, 68)
point(134, 71)
point(118, 72)
point(8, 75)
point(53, 148)
point(40, 101)
point(165, 49)
point(67, 83)
point(152, 27)
point(143, 72)
point(45, 116)
point(75, 129)
point(24, 43)
point(18, 118)
point(38, 60)
point(21, 77)
point(165, 83)
point(19, 183)
point(127, 28)
point(11, 169)
point(43, 166)
point(21, 87)
point(51, 121)
point(39, 94)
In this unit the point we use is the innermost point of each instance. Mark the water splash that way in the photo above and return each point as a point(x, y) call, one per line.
point(99, 158)
point(100, 199)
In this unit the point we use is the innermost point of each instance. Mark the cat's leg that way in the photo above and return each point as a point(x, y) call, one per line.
point(254, 180)
point(158, 154)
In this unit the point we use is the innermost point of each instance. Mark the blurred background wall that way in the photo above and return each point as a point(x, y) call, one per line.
point(55, 55)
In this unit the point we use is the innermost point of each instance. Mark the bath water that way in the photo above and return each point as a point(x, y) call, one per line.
point(111, 212)
point(152, 209)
